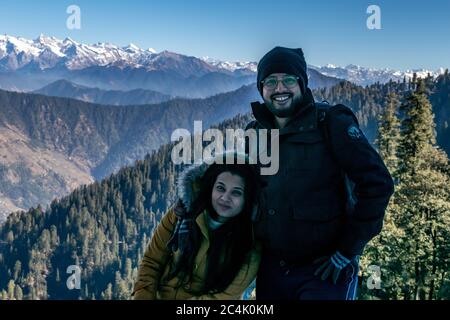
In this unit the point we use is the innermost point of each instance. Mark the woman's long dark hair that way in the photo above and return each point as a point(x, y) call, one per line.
point(231, 242)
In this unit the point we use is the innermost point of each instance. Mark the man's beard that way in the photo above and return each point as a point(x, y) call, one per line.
point(285, 111)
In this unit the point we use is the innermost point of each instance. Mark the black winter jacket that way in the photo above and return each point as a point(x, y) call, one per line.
point(302, 209)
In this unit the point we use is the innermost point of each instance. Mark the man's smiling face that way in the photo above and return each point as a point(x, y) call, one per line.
point(282, 99)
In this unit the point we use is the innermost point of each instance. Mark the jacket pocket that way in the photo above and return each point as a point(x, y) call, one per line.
point(318, 228)
point(305, 153)
point(305, 137)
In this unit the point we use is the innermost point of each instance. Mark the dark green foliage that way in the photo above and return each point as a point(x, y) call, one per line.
point(413, 249)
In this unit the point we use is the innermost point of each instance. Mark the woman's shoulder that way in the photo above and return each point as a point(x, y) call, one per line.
point(169, 217)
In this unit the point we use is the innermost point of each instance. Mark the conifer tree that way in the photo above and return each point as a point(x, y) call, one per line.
point(381, 253)
point(18, 293)
point(389, 133)
point(423, 195)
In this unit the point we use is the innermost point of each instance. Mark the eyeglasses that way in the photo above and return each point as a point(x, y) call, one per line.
point(272, 82)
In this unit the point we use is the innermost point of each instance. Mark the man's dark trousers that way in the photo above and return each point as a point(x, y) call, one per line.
point(278, 281)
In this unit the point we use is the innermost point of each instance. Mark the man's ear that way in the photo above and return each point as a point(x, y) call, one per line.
point(302, 86)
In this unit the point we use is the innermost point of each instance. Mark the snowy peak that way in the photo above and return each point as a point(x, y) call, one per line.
point(18, 45)
point(183, 65)
point(69, 41)
point(231, 66)
point(47, 52)
point(132, 49)
point(366, 76)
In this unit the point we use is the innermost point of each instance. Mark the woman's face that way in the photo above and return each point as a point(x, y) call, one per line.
point(228, 195)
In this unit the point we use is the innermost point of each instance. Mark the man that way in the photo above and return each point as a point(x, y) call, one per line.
point(311, 242)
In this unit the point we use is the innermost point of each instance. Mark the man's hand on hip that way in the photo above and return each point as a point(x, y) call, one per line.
point(331, 266)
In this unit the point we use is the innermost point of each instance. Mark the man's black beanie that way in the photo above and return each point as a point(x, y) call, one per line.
point(283, 60)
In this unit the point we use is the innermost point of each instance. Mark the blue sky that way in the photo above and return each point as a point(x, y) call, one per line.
point(414, 34)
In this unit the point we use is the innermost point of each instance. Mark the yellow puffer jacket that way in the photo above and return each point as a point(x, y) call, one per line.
point(155, 267)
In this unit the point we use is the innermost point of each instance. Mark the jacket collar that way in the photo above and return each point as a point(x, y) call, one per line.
point(202, 222)
point(305, 119)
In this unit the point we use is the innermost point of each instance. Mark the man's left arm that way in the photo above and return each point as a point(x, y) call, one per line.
point(373, 183)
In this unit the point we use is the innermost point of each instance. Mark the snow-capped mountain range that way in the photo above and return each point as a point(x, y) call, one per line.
point(45, 52)
point(50, 52)
point(28, 65)
point(353, 73)
point(231, 66)
point(366, 76)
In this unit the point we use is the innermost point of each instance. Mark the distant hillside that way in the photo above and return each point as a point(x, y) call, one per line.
point(317, 80)
point(212, 81)
point(51, 145)
point(67, 89)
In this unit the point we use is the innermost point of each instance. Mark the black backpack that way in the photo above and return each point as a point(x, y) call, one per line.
point(323, 111)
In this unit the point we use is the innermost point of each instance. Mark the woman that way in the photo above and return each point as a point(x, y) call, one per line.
point(203, 248)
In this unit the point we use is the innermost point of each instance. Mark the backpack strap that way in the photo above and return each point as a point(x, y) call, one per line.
point(252, 125)
point(324, 112)
point(322, 118)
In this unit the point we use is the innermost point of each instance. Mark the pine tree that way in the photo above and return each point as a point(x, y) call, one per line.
point(17, 270)
point(107, 294)
point(18, 293)
point(120, 288)
point(128, 269)
point(424, 198)
point(11, 287)
point(382, 252)
point(389, 133)
point(417, 127)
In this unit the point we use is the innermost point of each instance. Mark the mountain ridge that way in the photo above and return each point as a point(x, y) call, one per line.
point(89, 140)
point(28, 65)
point(68, 89)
